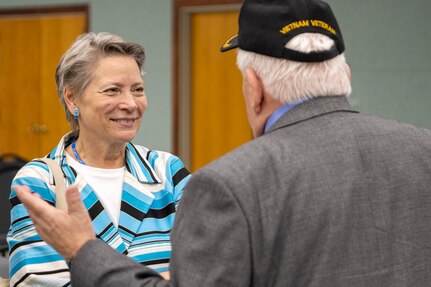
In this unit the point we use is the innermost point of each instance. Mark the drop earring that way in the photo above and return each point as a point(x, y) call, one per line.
point(76, 113)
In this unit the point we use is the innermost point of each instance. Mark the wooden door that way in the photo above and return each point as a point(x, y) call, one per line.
point(211, 111)
point(32, 119)
point(218, 118)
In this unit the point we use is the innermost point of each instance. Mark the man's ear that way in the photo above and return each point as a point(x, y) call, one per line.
point(256, 92)
point(349, 71)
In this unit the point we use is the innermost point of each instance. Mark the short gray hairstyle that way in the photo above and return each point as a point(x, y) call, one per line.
point(76, 66)
point(288, 81)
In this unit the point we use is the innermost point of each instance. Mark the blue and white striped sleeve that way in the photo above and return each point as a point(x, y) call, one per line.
point(32, 262)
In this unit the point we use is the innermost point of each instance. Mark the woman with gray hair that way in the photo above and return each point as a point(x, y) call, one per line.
point(130, 191)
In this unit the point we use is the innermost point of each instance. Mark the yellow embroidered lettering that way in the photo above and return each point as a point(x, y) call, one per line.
point(304, 23)
point(323, 25)
point(294, 25)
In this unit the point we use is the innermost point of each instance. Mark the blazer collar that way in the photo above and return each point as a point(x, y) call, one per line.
point(313, 108)
point(137, 163)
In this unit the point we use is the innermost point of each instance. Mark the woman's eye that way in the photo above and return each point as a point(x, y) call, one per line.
point(112, 91)
point(138, 90)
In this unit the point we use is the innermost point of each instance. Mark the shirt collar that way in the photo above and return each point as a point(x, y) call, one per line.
point(279, 113)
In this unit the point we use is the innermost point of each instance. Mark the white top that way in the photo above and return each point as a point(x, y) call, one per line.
point(107, 183)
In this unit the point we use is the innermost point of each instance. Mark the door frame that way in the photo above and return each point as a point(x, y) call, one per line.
point(181, 67)
point(54, 9)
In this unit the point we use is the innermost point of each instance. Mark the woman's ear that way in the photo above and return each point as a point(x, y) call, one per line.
point(69, 99)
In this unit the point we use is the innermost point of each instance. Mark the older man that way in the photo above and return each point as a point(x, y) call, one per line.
point(324, 196)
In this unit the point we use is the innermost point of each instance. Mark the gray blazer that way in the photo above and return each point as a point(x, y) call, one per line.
point(329, 197)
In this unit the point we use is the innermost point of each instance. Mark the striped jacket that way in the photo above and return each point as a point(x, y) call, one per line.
point(152, 187)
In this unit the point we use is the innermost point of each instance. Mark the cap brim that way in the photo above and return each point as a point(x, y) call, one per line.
point(230, 44)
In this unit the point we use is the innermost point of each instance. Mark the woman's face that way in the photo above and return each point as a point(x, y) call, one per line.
point(112, 106)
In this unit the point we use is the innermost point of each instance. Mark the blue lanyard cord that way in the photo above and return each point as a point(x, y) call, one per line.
point(75, 152)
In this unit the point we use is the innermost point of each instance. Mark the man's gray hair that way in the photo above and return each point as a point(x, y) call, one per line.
point(76, 67)
point(289, 81)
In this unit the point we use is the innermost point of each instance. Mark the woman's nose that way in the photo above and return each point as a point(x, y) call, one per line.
point(128, 100)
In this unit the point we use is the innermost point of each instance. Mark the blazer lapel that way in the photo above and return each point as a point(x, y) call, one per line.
point(136, 201)
point(102, 223)
point(140, 181)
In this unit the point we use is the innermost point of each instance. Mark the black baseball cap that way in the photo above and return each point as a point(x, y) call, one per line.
point(265, 26)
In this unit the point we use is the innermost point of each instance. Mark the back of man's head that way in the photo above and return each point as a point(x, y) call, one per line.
point(294, 46)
